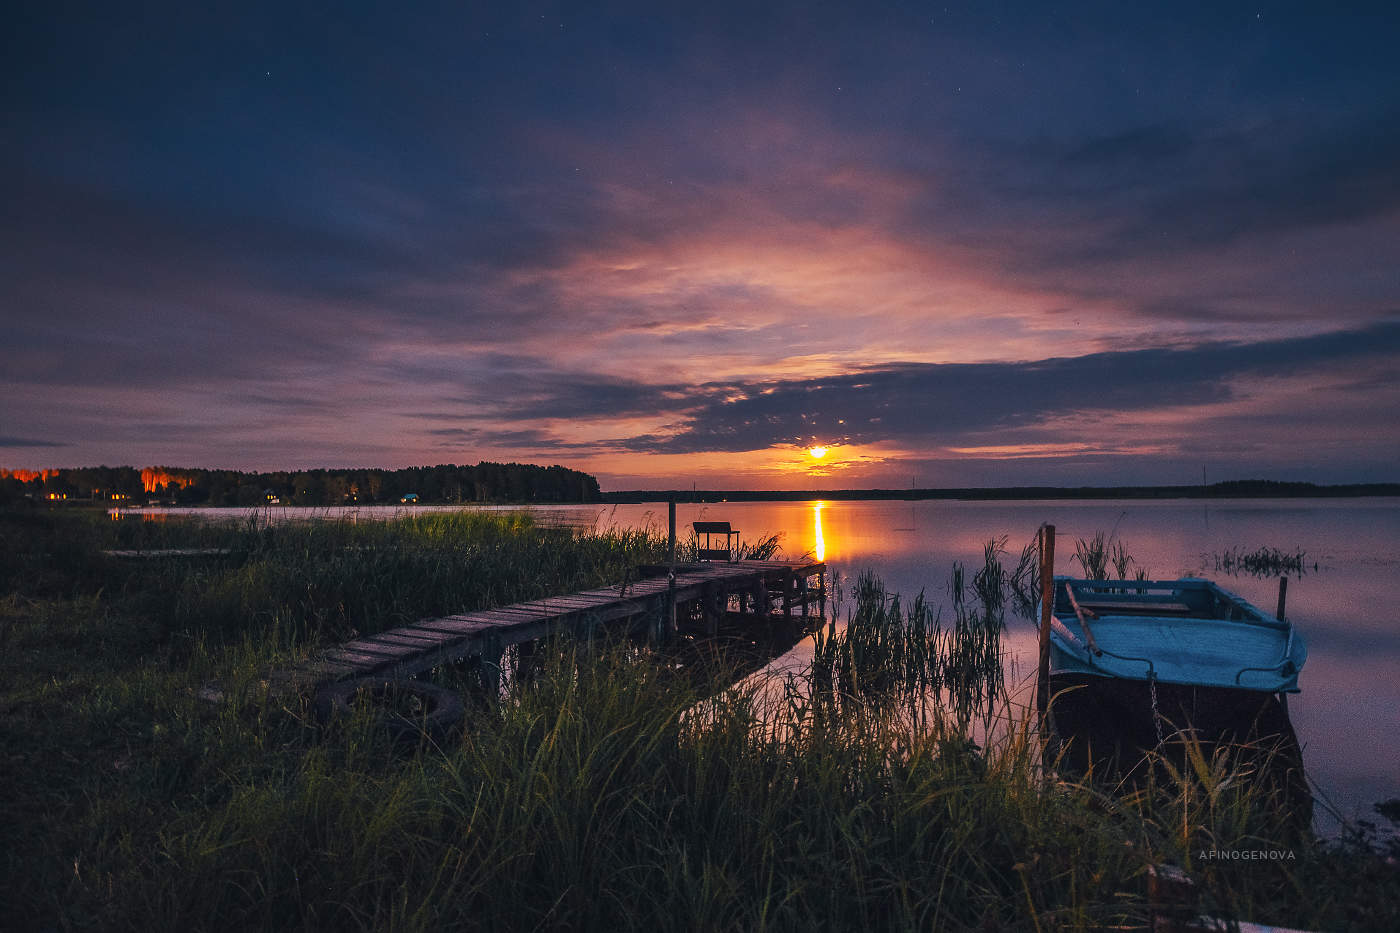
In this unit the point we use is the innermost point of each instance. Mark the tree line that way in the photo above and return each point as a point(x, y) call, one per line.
point(485, 482)
point(1244, 489)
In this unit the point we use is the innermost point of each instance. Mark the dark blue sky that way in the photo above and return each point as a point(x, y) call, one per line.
point(964, 243)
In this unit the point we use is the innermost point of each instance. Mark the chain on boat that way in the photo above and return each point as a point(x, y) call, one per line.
point(1156, 713)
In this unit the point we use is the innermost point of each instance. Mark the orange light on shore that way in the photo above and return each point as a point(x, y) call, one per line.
point(817, 452)
point(152, 478)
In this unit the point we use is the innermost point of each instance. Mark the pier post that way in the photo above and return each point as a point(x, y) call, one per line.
point(710, 609)
point(527, 660)
point(1282, 593)
point(1047, 607)
point(762, 605)
point(484, 667)
point(491, 673)
point(669, 612)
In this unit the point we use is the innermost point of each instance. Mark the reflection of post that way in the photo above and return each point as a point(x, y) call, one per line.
point(1047, 606)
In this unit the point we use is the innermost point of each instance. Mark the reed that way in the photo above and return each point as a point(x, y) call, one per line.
point(1262, 562)
point(887, 655)
point(1097, 555)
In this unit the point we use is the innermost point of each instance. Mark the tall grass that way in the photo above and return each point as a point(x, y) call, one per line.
point(297, 583)
point(601, 792)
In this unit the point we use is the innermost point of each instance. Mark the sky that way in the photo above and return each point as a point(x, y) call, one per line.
point(953, 244)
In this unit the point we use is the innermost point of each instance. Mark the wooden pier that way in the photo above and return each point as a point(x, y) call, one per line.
point(702, 595)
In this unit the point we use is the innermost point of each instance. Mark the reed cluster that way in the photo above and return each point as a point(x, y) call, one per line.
point(1262, 562)
point(1098, 555)
point(886, 654)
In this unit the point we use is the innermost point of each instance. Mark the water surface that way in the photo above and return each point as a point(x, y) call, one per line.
point(1348, 713)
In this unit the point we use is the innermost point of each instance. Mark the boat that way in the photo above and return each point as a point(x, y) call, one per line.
point(1187, 631)
point(1139, 667)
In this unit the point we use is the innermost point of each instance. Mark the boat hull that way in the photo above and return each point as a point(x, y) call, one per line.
point(1188, 632)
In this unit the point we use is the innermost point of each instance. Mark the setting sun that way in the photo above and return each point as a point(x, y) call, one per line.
point(817, 452)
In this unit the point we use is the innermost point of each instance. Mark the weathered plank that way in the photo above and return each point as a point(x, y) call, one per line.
point(506, 617)
point(418, 638)
point(326, 669)
point(170, 552)
point(387, 648)
point(457, 626)
point(356, 659)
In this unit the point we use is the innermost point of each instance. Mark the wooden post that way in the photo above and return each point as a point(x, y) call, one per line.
point(1282, 593)
point(527, 659)
point(710, 609)
point(1171, 897)
point(671, 541)
point(669, 617)
point(491, 675)
point(762, 603)
point(1047, 608)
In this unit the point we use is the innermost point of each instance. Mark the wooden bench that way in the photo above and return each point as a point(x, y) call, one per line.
point(1111, 607)
point(708, 551)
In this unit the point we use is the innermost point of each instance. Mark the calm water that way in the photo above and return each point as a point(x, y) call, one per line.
point(1349, 709)
point(1348, 713)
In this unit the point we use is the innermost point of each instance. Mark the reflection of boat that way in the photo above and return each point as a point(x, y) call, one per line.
point(1179, 632)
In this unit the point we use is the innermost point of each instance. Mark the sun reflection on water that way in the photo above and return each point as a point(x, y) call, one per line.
point(819, 548)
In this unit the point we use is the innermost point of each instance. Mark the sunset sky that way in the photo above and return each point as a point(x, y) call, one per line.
point(956, 244)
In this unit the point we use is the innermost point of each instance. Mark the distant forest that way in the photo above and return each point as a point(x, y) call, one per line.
point(485, 482)
point(1243, 489)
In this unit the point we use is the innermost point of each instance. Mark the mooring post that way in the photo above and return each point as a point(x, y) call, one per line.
point(1047, 607)
point(1282, 592)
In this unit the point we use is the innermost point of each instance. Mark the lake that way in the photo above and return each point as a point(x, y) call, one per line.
point(1348, 713)
point(1345, 606)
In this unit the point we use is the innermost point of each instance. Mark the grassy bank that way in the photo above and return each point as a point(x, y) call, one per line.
point(604, 792)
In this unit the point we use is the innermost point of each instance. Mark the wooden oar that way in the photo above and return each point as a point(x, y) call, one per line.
point(1083, 620)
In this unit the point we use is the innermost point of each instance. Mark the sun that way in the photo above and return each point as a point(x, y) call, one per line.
point(817, 452)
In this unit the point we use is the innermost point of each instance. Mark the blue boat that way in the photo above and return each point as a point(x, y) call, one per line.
point(1187, 631)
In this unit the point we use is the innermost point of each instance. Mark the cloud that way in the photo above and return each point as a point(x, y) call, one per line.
point(7, 441)
point(656, 232)
point(933, 403)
